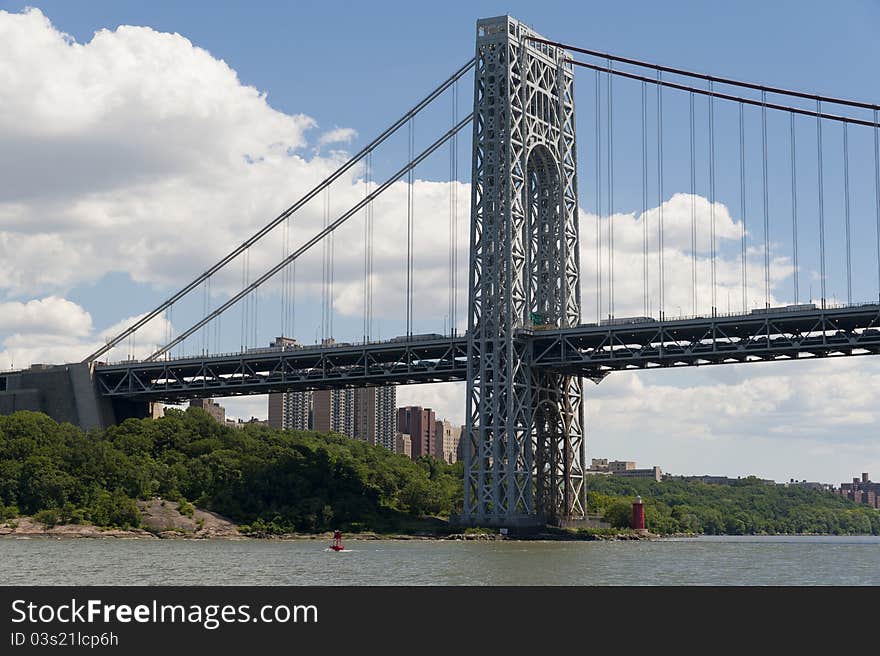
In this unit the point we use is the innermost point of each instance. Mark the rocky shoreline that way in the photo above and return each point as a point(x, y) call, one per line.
point(163, 519)
point(27, 528)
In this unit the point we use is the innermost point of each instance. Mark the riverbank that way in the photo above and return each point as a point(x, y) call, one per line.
point(162, 519)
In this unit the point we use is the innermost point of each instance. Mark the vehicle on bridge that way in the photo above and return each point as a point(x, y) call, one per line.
point(624, 321)
point(785, 308)
point(417, 337)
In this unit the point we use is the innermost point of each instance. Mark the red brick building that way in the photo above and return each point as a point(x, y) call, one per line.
point(420, 424)
point(862, 491)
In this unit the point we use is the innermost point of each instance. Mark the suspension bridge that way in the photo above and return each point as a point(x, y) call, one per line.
point(700, 188)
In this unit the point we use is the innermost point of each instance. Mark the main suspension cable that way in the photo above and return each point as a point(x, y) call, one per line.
point(709, 78)
point(392, 129)
point(725, 96)
point(318, 237)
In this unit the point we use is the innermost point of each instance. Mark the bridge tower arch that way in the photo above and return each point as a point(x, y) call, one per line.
point(524, 464)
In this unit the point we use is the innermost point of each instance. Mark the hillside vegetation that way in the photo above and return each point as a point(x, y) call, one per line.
point(746, 507)
point(269, 480)
point(272, 481)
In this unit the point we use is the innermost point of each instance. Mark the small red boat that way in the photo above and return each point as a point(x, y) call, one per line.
point(337, 541)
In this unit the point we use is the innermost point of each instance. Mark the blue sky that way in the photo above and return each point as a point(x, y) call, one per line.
point(359, 65)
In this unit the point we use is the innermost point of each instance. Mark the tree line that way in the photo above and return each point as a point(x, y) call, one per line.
point(747, 506)
point(271, 481)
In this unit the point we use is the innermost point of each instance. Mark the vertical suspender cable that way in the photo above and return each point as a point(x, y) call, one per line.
point(454, 319)
point(660, 186)
point(821, 200)
point(292, 304)
point(766, 201)
point(450, 256)
point(243, 302)
point(285, 276)
point(367, 211)
point(248, 300)
point(332, 272)
point(204, 314)
point(598, 198)
point(323, 271)
point(409, 235)
point(742, 206)
point(693, 208)
point(324, 255)
point(846, 213)
point(216, 334)
point(371, 243)
point(645, 196)
point(794, 225)
point(453, 214)
point(210, 327)
point(877, 193)
point(610, 100)
point(254, 341)
point(712, 198)
point(170, 328)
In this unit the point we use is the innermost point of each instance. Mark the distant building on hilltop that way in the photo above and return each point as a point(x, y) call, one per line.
point(241, 423)
point(810, 485)
point(862, 491)
point(626, 468)
point(217, 411)
point(653, 472)
point(718, 480)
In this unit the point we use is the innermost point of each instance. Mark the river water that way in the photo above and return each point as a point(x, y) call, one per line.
point(801, 560)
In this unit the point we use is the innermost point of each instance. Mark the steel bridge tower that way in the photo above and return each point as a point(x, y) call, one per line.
point(524, 458)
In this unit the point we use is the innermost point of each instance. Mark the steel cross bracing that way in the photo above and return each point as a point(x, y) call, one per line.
point(524, 453)
point(260, 371)
point(586, 350)
point(594, 351)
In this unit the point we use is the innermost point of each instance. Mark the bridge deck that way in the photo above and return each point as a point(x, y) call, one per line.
point(587, 350)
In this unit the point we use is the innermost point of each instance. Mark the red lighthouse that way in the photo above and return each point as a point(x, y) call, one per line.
point(638, 516)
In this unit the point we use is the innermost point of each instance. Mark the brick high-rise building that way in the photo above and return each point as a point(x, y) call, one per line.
point(421, 425)
point(333, 411)
point(290, 410)
point(375, 418)
point(446, 443)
